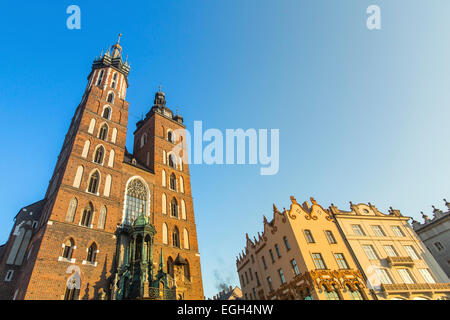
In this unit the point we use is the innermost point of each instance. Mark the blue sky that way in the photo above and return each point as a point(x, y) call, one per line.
point(363, 115)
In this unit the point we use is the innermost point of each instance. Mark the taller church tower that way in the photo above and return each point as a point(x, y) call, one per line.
point(113, 224)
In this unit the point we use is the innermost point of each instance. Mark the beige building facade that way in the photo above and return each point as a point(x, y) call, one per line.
point(312, 253)
point(301, 255)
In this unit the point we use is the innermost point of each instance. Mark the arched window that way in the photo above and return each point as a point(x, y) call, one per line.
point(165, 234)
point(87, 145)
point(183, 210)
point(170, 267)
point(107, 111)
point(356, 294)
point(164, 178)
point(78, 176)
point(114, 136)
point(172, 161)
point(174, 208)
point(70, 216)
point(100, 78)
point(68, 249)
point(86, 219)
point(164, 157)
point(176, 237)
point(110, 98)
point(99, 155)
point(187, 271)
point(173, 182)
point(114, 81)
point(72, 292)
point(181, 184)
point(102, 218)
point(112, 155)
point(136, 201)
point(92, 126)
point(164, 204)
point(108, 183)
point(92, 254)
point(331, 295)
point(94, 182)
point(143, 140)
point(170, 136)
point(103, 134)
point(186, 239)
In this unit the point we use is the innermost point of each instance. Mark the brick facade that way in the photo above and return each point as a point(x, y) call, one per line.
point(44, 273)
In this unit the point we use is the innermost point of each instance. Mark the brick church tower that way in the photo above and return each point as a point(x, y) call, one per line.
point(113, 224)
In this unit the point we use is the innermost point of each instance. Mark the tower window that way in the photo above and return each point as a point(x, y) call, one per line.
point(100, 78)
point(99, 155)
point(136, 201)
point(107, 113)
point(86, 219)
point(172, 161)
point(170, 137)
point(173, 182)
point(114, 81)
point(72, 292)
point(68, 249)
point(174, 208)
point(93, 183)
point(9, 275)
point(176, 238)
point(92, 254)
point(103, 134)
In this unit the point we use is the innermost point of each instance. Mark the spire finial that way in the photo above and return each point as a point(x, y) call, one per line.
point(120, 36)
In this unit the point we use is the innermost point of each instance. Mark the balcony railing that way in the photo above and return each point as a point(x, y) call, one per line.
point(416, 287)
point(400, 261)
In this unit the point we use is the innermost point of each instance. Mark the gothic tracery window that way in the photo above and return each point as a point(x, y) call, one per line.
point(94, 182)
point(92, 254)
point(103, 132)
point(99, 155)
point(176, 237)
point(174, 208)
point(86, 219)
point(107, 112)
point(137, 201)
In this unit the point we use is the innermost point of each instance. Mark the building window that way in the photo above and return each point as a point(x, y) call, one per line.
point(309, 237)
point(172, 161)
point(170, 137)
point(427, 276)
point(357, 230)
point(331, 295)
point(94, 182)
point(243, 281)
point(383, 276)
point(254, 293)
point(114, 81)
point(86, 219)
point(264, 262)
point(318, 261)
point(282, 278)
point(397, 231)
point(277, 249)
point(406, 276)
point(330, 237)
point(9, 275)
point(176, 237)
point(174, 208)
point(269, 282)
point(253, 258)
point(390, 251)
point(70, 215)
point(99, 155)
point(295, 267)
point(72, 292)
point(136, 201)
point(378, 231)
point(286, 243)
point(411, 252)
point(107, 113)
point(356, 294)
point(272, 256)
point(68, 249)
point(173, 182)
point(100, 78)
point(92, 254)
point(340, 259)
point(103, 133)
point(246, 277)
point(370, 252)
point(257, 279)
point(250, 273)
point(439, 246)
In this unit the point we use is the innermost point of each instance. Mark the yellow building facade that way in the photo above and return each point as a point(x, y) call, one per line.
point(301, 255)
point(312, 253)
point(394, 261)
